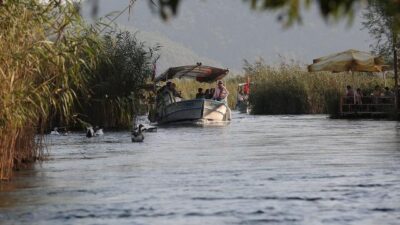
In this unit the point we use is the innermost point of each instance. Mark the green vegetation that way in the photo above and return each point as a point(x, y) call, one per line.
point(116, 86)
point(56, 70)
point(290, 10)
point(289, 89)
point(385, 29)
point(46, 52)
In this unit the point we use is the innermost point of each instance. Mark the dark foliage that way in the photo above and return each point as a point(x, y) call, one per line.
point(116, 92)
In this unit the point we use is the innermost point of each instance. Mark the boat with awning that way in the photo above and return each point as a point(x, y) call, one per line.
point(171, 109)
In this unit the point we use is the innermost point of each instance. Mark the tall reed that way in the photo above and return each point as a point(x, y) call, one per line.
point(289, 89)
point(45, 50)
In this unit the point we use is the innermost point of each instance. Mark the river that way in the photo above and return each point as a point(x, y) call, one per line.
point(257, 170)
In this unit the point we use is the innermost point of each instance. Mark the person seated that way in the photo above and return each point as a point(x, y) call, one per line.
point(221, 93)
point(176, 94)
point(388, 95)
point(165, 88)
point(164, 95)
point(207, 94)
point(211, 94)
point(358, 96)
point(240, 96)
point(376, 94)
point(241, 100)
point(349, 95)
point(387, 92)
point(200, 93)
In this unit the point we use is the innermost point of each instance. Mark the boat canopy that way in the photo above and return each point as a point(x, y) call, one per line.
point(199, 72)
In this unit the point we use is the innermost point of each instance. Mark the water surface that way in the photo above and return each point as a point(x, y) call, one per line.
point(257, 170)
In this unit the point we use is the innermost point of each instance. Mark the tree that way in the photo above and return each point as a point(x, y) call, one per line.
point(290, 10)
point(383, 24)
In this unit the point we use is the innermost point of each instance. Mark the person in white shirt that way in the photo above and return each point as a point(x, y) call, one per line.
point(221, 93)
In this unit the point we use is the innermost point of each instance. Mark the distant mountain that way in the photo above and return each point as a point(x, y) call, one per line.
point(172, 53)
point(227, 31)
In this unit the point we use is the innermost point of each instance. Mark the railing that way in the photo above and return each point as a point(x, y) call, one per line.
point(367, 105)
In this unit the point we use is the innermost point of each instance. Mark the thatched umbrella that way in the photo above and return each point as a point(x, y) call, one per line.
point(350, 60)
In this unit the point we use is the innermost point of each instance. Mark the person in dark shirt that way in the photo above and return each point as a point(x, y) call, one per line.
point(200, 93)
point(207, 94)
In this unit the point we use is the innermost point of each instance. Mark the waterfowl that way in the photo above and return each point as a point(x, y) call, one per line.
point(89, 132)
point(55, 131)
point(98, 131)
point(137, 135)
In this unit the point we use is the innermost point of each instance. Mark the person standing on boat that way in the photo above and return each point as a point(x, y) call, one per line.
point(175, 93)
point(221, 93)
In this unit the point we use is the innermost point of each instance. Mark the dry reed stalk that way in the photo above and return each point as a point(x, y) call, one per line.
point(7, 142)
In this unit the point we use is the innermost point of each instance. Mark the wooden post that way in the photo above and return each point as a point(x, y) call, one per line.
point(396, 77)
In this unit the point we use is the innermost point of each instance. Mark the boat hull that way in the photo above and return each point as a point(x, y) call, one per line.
point(196, 110)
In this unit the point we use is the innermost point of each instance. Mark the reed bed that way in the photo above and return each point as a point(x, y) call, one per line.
point(290, 89)
point(116, 92)
point(46, 49)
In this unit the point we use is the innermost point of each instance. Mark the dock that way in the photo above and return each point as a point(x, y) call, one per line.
point(368, 107)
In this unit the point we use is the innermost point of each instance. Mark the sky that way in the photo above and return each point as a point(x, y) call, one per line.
point(225, 32)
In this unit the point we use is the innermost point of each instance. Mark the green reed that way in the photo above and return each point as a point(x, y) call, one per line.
point(45, 51)
point(290, 89)
point(115, 87)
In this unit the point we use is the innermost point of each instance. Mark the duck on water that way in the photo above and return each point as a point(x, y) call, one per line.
point(97, 131)
point(137, 134)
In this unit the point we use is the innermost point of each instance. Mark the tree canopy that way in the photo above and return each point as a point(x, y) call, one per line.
point(289, 10)
point(383, 27)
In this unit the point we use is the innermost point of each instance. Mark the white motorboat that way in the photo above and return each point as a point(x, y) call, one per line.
point(170, 109)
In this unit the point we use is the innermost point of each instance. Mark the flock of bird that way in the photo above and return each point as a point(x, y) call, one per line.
point(136, 134)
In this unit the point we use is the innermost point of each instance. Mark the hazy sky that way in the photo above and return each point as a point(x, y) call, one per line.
point(227, 31)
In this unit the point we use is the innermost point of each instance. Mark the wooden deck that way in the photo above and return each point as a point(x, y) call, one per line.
point(367, 107)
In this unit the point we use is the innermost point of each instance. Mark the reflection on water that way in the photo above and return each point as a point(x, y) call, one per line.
point(256, 170)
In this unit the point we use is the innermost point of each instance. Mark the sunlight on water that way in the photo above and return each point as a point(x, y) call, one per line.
point(256, 170)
